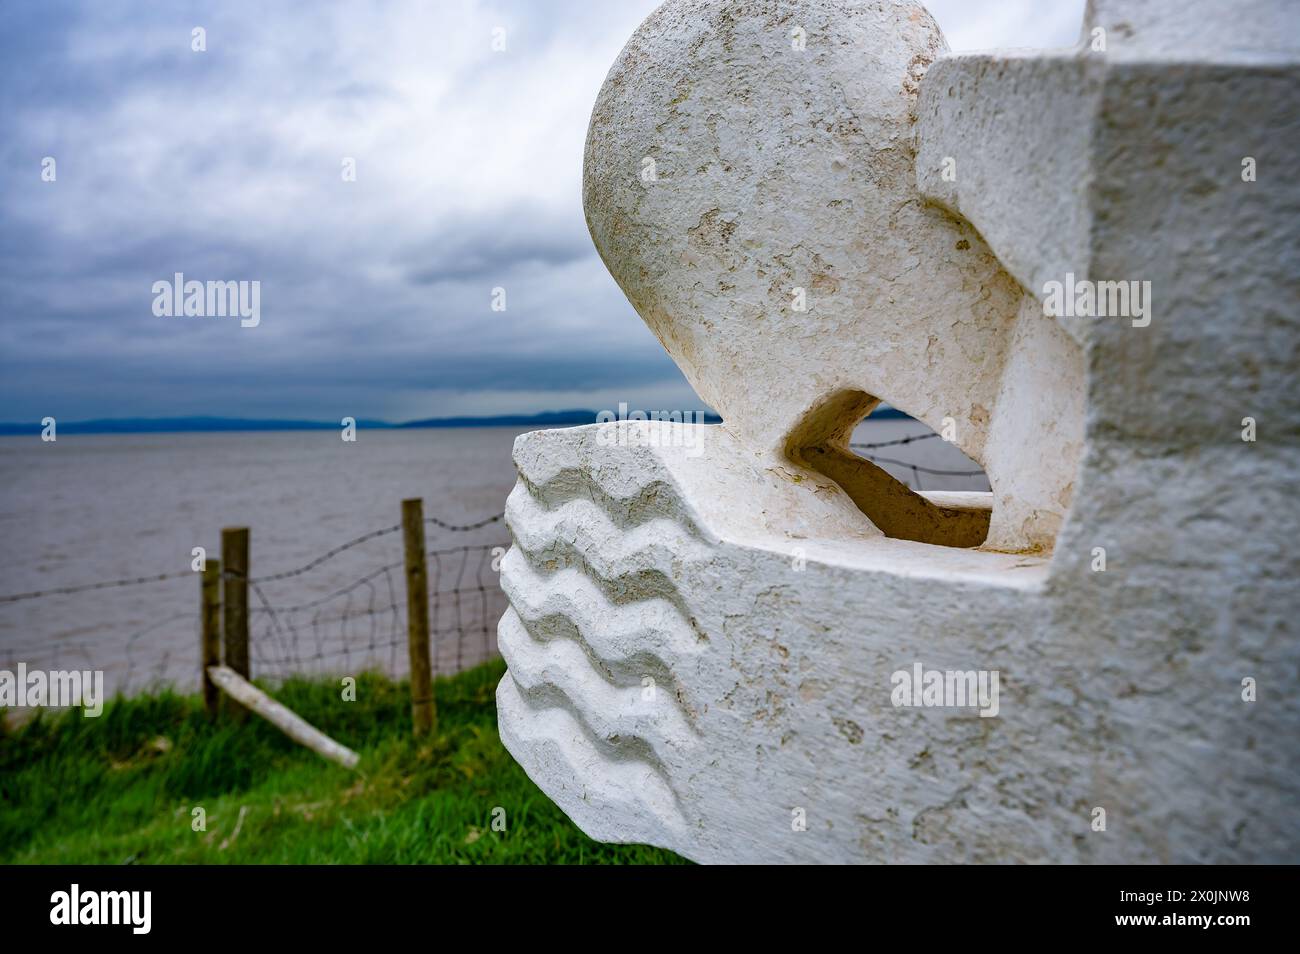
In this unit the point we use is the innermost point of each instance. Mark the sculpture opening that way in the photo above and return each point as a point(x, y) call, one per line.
point(822, 443)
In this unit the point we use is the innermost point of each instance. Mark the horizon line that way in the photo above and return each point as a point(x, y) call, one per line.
point(201, 423)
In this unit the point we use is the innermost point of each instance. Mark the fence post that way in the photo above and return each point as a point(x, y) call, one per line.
point(210, 653)
point(234, 603)
point(423, 713)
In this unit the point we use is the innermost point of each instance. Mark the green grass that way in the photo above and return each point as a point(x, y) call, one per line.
point(122, 787)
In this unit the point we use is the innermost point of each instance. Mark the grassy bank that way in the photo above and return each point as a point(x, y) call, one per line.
point(122, 787)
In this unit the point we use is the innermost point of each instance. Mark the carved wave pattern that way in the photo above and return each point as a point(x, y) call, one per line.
point(596, 638)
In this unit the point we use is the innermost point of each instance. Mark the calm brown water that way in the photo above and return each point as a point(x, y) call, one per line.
point(105, 507)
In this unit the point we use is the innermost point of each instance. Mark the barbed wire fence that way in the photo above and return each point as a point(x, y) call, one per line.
point(915, 469)
point(363, 624)
point(357, 626)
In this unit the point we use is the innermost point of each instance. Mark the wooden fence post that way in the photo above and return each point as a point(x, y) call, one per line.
point(423, 712)
point(234, 602)
point(210, 653)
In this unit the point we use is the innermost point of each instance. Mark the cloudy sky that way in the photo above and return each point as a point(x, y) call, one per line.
point(375, 293)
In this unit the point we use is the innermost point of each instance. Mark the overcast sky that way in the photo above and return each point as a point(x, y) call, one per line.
point(375, 294)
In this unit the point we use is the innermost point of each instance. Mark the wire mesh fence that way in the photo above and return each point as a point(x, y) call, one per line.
point(356, 625)
point(363, 624)
point(303, 623)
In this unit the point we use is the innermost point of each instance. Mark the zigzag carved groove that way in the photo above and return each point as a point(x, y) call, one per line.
point(621, 717)
point(595, 607)
point(622, 583)
point(650, 500)
point(625, 643)
point(611, 549)
point(631, 787)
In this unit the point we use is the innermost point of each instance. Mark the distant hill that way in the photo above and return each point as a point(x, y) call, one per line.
point(544, 419)
point(164, 425)
point(170, 425)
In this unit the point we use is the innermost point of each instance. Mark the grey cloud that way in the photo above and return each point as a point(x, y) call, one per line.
point(495, 243)
point(225, 165)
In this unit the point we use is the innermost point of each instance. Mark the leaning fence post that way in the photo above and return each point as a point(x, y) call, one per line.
point(234, 601)
point(210, 652)
point(423, 713)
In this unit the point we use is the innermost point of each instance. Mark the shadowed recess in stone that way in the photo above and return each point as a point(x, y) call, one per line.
point(820, 442)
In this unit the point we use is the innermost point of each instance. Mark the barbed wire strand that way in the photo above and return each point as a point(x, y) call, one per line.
point(363, 623)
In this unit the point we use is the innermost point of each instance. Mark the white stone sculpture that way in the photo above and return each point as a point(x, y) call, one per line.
point(709, 625)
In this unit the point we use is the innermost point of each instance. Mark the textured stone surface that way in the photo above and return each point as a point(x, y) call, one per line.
point(779, 169)
point(701, 639)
